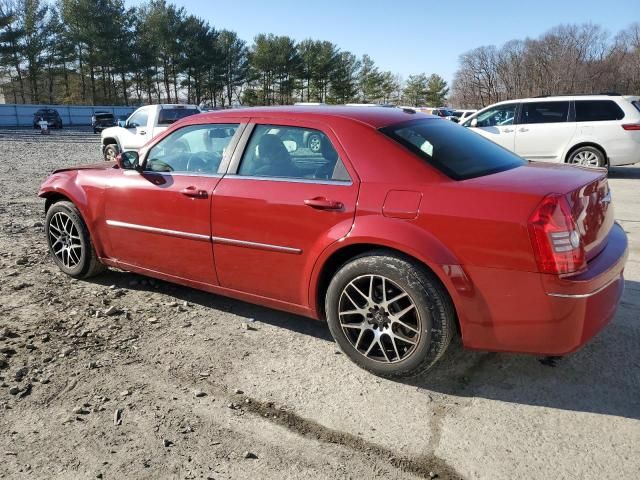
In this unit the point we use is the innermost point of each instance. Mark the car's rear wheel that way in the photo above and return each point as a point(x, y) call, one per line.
point(389, 315)
point(587, 156)
point(69, 241)
point(111, 152)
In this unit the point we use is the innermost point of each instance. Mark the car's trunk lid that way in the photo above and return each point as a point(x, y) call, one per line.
point(586, 190)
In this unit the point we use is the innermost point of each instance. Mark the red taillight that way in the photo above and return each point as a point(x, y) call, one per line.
point(557, 244)
point(631, 126)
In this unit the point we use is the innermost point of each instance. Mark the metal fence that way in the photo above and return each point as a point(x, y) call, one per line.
point(18, 115)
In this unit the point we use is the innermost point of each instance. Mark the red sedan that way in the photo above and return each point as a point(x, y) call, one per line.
point(400, 229)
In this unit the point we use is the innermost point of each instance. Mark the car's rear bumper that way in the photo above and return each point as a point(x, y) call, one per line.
point(544, 314)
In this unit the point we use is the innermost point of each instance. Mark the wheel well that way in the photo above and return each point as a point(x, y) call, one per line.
point(342, 256)
point(53, 198)
point(110, 141)
point(587, 144)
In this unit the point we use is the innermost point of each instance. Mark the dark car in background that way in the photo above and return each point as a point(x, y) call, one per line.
point(51, 115)
point(102, 120)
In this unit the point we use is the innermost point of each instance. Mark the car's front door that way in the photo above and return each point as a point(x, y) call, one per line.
point(160, 219)
point(544, 130)
point(136, 132)
point(280, 204)
point(497, 124)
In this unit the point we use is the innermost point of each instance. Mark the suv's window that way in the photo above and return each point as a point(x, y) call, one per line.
point(498, 116)
point(545, 112)
point(139, 119)
point(168, 116)
point(193, 149)
point(597, 111)
point(458, 152)
point(636, 104)
point(291, 152)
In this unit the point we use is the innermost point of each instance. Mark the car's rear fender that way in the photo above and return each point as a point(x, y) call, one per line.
point(404, 237)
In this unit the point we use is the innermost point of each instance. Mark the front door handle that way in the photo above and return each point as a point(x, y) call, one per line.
point(193, 192)
point(322, 203)
point(142, 132)
point(508, 130)
point(523, 129)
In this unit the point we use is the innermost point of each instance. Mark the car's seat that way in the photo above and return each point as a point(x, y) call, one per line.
point(273, 159)
point(329, 153)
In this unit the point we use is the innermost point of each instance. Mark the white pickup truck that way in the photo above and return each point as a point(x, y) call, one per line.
point(143, 124)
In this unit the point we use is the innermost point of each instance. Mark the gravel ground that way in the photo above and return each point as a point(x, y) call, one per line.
point(127, 377)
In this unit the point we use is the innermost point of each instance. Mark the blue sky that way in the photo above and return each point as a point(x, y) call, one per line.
point(410, 36)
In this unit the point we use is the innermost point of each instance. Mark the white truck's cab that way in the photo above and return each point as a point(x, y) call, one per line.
point(143, 124)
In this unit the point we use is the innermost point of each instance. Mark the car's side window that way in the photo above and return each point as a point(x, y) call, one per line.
point(545, 112)
point(597, 111)
point(192, 149)
point(498, 116)
point(291, 152)
point(139, 119)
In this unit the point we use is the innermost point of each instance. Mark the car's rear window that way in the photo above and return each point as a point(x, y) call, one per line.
point(597, 111)
point(104, 116)
point(456, 151)
point(170, 115)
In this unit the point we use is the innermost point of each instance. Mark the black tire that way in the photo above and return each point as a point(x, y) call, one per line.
point(88, 264)
point(111, 151)
point(588, 156)
point(435, 317)
point(314, 142)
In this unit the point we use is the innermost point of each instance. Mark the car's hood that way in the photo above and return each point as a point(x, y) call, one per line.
point(90, 166)
point(112, 131)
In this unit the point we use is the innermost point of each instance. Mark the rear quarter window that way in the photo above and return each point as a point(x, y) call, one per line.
point(597, 111)
point(168, 116)
point(636, 104)
point(454, 150)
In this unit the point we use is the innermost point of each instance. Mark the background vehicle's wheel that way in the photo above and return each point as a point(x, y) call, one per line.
point(389, 315)
point(314, 142)
point(111, 151)
point(69, 241)
point(587, 157)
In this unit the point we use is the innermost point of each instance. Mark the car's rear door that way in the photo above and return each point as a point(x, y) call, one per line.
point(276, 210)
point(545, 128)
point(160, 219)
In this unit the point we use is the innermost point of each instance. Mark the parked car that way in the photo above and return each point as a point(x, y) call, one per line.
point(141, 126)
point(102, 120)
point(461, 115)
point(219, 202)
point(443, 112)
point(590, 130)
point(51, 115)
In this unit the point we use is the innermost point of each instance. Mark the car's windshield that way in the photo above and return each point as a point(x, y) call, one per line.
point(104, 116)
point(170, 115)
point(454, 150)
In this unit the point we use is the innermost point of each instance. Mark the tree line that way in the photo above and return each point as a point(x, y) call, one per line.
point(568, 59)
point(101, 52)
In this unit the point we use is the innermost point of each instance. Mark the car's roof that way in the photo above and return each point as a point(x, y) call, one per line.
point(376, 117)
point(559, 98)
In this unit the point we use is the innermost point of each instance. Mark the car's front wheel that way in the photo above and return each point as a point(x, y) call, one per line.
point(69, 241)
point(314, 143)
point(111, 152)
point(389, 315)
point(587, 156)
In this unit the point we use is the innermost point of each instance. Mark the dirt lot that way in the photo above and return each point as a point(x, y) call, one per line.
point(208, 387)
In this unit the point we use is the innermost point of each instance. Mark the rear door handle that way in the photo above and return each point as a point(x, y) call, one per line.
point(194, 192)
point(322, 203)
point(523, 129)
point(142, 132)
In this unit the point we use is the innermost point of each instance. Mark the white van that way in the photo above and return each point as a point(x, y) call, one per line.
point(591, 130)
